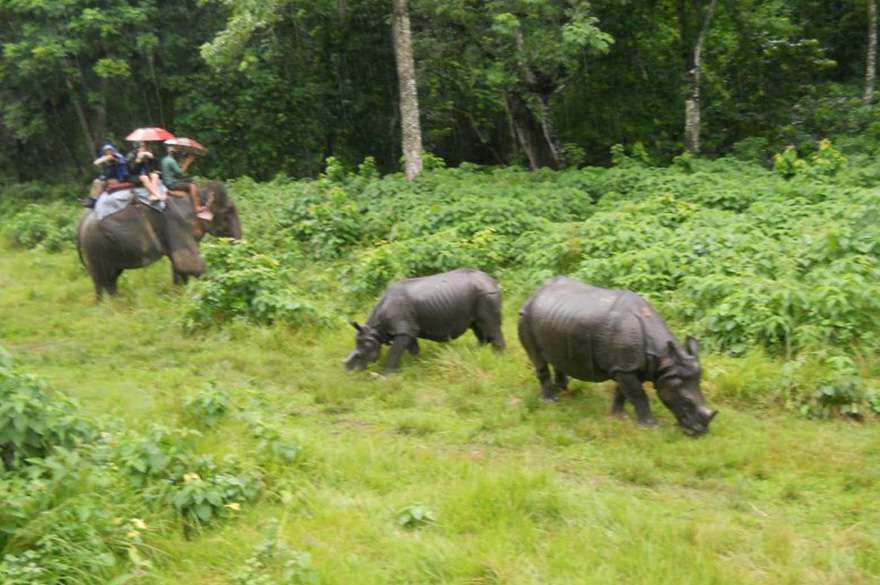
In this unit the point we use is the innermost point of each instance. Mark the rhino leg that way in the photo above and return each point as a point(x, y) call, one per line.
point(479, 335)
point(548, 391)
point(414, 347)
point(560, 380)
point(618, 403)
point(542, 367)
point(487, 326)
point(398, 346)
point(631, 388)
point(178, 278)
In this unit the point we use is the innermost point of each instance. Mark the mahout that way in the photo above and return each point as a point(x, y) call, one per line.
point(597, 334)
point(440, 307)
point(139, 235)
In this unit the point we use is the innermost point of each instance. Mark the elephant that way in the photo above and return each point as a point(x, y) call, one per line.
point(138, 235)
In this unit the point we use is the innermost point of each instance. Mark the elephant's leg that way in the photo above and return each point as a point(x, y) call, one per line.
point(414, 347)
point(631, 387)
point(107, 283)
point(618, 403)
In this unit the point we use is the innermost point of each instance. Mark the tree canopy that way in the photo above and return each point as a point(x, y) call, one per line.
point(277, 86)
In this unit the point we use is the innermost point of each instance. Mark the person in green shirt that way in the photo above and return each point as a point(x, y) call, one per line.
point(176, 181)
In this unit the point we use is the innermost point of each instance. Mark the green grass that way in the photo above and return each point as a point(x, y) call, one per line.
point(523, 492)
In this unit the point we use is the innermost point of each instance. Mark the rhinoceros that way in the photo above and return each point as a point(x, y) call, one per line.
point(597, 334)
point(440, 307)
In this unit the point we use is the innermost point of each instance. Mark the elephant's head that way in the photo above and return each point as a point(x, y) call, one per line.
point(225, 223)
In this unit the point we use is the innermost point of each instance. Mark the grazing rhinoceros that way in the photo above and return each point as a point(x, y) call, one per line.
point(597, 334)
point(440, 307)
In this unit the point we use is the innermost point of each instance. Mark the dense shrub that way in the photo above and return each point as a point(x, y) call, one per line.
point(248, 284)
point(49, 225)
point(32, 424)
point(730, 250)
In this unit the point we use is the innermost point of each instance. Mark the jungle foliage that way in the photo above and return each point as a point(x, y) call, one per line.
point(281, 85)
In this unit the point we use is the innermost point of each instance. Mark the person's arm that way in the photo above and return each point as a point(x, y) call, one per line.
point(186, 162)
point(101, 160)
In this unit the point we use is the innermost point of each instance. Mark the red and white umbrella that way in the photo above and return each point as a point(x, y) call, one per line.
point(152, 134)
point(187, 144)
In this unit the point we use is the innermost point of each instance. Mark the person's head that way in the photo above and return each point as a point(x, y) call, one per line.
point(106, 148)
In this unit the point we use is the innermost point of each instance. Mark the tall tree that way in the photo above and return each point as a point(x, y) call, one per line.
point(871, 60)
point(692, 122)
point(515, 56)
point(411, 129)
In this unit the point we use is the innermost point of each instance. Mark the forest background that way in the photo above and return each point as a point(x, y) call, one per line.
point(278, 86)
point(718, 157)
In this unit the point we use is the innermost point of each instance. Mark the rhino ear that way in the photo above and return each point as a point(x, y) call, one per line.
point(672, 349)
point(356, 326)
point(692, 346)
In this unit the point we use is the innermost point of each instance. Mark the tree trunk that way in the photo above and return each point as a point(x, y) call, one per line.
point(89, 140)
point(692, 102)
point(550, 134)
point(552, 152)
point(529, 133)
point(409, 97)
point(99, 125)
point(871, 67)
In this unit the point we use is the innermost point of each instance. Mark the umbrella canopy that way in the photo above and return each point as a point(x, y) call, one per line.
point(153, 134)
point(187, 144)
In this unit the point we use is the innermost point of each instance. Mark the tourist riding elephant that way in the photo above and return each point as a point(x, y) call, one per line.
point(138, 235)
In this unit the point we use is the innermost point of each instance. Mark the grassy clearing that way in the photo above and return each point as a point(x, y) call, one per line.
point(523, 492)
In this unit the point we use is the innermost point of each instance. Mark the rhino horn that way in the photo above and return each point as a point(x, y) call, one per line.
point(707, 414)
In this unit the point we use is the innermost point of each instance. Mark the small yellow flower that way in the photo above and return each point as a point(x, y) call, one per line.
point(190, 477)
point(234, 506)
point(132, 534)
point(139, 524)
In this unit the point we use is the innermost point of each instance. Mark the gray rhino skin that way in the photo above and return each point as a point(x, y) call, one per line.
point(597, 334)
point(440, 307)
point(137, 236)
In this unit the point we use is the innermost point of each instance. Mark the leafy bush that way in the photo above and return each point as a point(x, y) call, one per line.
point(273, 562)
point(47, 225)
point(207, 492)
point(732, 251)
point(32, 424)
point(840, 392)
point(248, 284)
point(164, 465)
point(209, 405)
point(327, 222)
point(415, 516)
point(826, 161)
